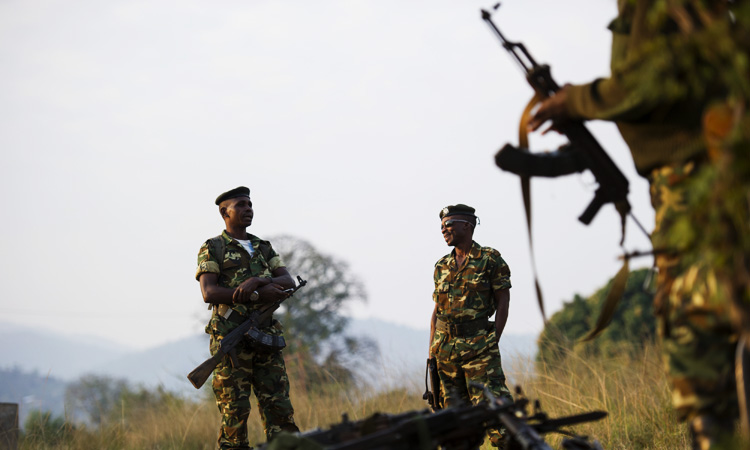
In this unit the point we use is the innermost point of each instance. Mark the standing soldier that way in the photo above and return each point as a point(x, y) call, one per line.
point(679, 99)
point(238, 273)
point(471, 284)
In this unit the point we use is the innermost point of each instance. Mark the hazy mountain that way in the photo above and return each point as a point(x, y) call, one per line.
point(52, 354)
point(55, 359)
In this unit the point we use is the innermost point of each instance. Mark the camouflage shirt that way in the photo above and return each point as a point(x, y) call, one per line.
point(467, 293)
point(238, 265)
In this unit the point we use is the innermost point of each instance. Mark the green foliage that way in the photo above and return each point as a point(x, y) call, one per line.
point(633, 324)
point(42, 427)
point(313, 320)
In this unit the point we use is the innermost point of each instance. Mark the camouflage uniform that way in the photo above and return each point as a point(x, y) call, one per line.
point(698, 338)
point(261, 372)
point(663, 123)
point(464, 294)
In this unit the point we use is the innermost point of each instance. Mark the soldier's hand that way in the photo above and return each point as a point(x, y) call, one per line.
point(272, 292)
point(551, 109)
point(244, 291)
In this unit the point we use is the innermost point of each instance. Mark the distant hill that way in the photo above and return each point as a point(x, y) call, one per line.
point(31, 391)
point(53, 354)
point(52, 360)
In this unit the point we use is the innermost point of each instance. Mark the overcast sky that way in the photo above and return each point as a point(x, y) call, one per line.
point(352, 122)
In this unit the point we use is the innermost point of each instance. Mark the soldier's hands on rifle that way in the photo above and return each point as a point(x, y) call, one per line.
point(244, 291)
point(269, 289)
point(551, 109)
point(271, 293)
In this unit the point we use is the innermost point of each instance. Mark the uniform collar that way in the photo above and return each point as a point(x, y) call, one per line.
point(227, 238)
point(474, 252)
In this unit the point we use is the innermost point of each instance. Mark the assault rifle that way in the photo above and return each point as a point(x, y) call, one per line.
point(247, 329)
point(432, 390)
point(583, 152)
point(455, 428)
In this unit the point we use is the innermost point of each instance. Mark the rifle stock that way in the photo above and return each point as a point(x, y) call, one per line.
point(200, 374)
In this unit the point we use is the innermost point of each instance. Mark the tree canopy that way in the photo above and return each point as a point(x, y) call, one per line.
point(633, 323)
point(314, 319)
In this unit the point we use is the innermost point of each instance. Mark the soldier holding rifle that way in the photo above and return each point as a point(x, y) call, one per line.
point(471, 284)
point(668, 95)
point(240, 273)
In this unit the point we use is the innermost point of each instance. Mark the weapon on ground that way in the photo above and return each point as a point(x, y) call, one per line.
point(583, 152)
point(456, 428)
point(432, 391)
point(249, 329)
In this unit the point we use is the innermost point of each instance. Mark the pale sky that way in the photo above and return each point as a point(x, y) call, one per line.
point(352, 122)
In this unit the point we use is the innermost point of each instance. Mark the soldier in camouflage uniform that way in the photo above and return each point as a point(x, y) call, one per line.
point(471, 284)
point(238, 272)
point(670, 131)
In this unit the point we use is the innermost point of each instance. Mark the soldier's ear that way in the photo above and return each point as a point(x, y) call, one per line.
point(223, 211)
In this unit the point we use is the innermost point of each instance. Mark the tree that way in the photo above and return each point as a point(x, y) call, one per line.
point(632, 326)
point(93, 397)
point(313, 319)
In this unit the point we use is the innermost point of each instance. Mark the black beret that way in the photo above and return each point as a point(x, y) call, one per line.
point(241, 191)
point(457, 210)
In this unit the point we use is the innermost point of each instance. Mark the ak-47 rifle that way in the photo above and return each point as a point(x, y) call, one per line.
point(583, 152)
point(247, 329)
point(432, 391)
point(455, 428)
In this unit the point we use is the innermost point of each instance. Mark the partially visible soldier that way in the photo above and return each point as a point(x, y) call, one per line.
point(238, 273)
point(471, 284)
point(669, 96)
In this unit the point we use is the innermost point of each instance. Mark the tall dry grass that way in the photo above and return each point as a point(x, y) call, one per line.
point(633, 389)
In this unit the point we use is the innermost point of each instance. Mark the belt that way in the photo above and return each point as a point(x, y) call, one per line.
point(462, 328)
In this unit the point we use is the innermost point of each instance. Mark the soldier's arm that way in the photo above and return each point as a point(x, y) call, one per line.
point(212, 292)
point(269, 289)
point(502, 304)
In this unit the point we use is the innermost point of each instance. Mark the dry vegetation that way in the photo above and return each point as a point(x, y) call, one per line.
point(632, 389)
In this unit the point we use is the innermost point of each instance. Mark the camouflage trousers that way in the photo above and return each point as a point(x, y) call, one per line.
point(261, 373)
point(462, 360)
point(694, 322)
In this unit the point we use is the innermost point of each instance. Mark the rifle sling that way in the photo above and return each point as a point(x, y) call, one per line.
point(618, 285)
point(523, 141)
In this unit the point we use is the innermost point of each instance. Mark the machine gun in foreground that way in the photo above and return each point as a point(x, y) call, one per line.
point(456, 428)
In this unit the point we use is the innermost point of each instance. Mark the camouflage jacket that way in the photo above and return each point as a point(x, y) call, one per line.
point(467, 293)
point(237, 265)
point(659, 131)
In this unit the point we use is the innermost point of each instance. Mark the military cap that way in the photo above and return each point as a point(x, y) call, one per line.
point(241, 191)
point(457, 210)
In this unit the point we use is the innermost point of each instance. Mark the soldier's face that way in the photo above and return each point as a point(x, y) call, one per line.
point(454, 229)
point(239, 212)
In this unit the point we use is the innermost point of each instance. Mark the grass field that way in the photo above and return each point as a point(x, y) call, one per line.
point(632, 389)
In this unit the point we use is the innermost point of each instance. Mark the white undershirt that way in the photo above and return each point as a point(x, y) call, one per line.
point(246, 245)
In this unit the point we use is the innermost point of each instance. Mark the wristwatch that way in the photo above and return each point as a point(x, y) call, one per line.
point(254, 296)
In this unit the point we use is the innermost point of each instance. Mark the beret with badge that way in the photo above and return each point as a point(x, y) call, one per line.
point(241, 191)
point(457, 210)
